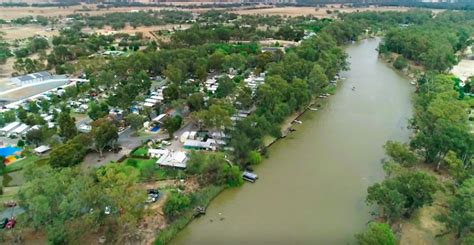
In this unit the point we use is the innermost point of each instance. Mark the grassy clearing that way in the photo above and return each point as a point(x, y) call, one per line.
point(9, 193)
point(424, 228)
point(146, 165)
point(18, 165)
point(140, 152)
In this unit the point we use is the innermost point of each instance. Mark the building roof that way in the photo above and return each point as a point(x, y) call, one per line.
point(158, 118)
point(42, 149)
point(170, 158)
point(41, 74)
point(20, 128)
point(197, 143)
point(10, 126)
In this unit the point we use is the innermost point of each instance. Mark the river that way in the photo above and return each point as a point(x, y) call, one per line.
point(313, 186)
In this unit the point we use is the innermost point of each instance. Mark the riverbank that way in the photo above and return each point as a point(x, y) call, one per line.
point(207, 195)
point(329, 161)
point(287, 126)
point(170, 231)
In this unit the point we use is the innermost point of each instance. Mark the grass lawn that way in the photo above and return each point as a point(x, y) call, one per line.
point(18, 165)
point(160, 173)
point(140, 152)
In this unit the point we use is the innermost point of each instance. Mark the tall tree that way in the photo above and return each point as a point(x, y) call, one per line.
point(403, 194)
point(172, 124)
point(67, 125)
point(460, 216)
point(135, 121)
point(104, 134)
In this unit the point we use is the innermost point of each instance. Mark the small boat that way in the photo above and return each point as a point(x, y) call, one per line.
point(312, 109)
point(297, 121)
point(413, 83)
point(250, 177)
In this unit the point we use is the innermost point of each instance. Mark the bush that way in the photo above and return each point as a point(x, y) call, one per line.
point(175, 205)
point(20, 143)
point(254, 158)
point(132, 162)
point(377, 233)
point(400, 63)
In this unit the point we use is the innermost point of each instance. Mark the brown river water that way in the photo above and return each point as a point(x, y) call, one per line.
point(312, 188)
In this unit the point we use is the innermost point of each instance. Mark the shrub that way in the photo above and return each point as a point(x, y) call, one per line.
point(400, 63)
point(132, 162)
point(175, 205)
point(376, 233)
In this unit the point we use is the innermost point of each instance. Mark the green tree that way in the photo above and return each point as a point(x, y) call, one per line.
point(66, 155)
point(376, 233)
point(9, 116)
point(22, 114)
point(400, 153)
point(135, 121)
point(216, 117)
point(457, 169)
point(104, 134)
point(195, 101)
point(254, 158)
point(400, 63)
point(403, 194)
point(243, 98)
point(97, 111)
point(460, 216)
point(174, 74)
point(172, 124)
point(216, 60)
point(225, 87)
point(171, 93)
point(33, 107)
point(47, 191)
point(35, 136)
point(175, 205)
point(67, 125)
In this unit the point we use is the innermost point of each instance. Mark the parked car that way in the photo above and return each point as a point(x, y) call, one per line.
point(153, 191)
point(153, 196)
point(3, 223)
point(11, 223)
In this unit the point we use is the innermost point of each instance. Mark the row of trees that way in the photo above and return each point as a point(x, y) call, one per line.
point(135, 19)
point(442, 136)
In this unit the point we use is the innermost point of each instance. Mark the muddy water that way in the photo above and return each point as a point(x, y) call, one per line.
point(313, 186)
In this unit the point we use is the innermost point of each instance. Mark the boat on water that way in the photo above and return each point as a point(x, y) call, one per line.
point(312, 109)
point(250, 177)
point(413, 83)
point(297, 121)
